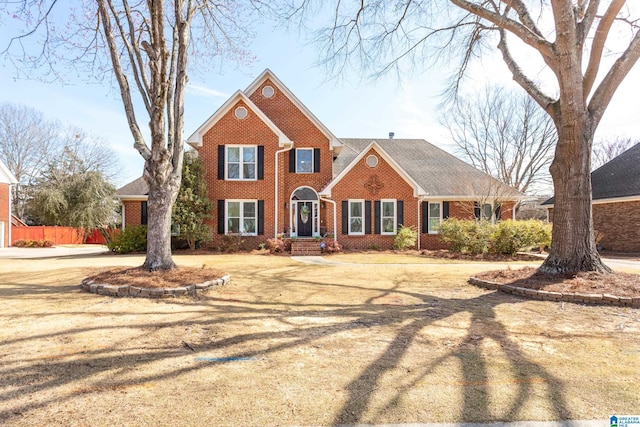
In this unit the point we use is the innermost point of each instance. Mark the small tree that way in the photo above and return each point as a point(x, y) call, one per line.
point(71, 195)
point(608, 149)
point(192, 206)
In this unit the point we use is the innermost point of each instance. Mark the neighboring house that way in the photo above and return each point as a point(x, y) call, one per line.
point(6, 181)
point(616, 202)
point(273, 168)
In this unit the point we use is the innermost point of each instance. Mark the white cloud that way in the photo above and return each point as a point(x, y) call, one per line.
point(205, 91)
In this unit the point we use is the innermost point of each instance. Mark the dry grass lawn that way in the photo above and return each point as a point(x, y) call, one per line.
point(287, 343)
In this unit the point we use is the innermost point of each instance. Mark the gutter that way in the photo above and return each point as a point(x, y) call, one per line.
point(275, 222)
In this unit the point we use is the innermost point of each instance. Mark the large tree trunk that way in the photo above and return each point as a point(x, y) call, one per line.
point(573, 248)
point(162, 195)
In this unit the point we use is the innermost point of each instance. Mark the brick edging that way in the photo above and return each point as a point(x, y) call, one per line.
point(578, 298)
point(89, 285)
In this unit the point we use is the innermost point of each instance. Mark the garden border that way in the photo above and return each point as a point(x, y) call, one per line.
point(578, 298)
point(91, 286)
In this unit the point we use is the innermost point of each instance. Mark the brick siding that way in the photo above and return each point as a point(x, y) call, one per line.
point(620, 224)
point(132, 213)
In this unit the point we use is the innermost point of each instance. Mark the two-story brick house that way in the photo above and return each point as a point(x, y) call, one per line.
point(273, 168)
point(6, 180)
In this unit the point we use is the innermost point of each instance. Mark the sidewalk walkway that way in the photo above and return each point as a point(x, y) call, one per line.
point(54, 252)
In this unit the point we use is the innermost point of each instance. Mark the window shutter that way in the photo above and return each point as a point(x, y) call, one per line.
point(316, 160)
point(425, 217)
point(260, 161)
point(260, 217)
point(445, 210)
point(144, 217)
point(221, 161)
point(477, 212)
point(378, 217)
point(345, 217)
point(221, 214)
point(367, 217)
point(400, 215)
point(292, 160)
point(498, 212)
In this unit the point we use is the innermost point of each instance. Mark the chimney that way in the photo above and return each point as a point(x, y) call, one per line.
point(391, 134)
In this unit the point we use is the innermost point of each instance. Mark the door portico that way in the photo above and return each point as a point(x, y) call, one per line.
point(304, 213)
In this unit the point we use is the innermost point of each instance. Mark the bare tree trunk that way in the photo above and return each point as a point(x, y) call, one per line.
point(573, 248)
point(160, 202)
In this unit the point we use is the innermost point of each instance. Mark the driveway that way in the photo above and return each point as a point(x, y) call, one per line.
point(54, 252)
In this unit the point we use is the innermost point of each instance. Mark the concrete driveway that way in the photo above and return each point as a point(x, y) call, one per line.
point(54, 252)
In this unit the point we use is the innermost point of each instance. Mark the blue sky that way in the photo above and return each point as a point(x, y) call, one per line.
point(350, 106)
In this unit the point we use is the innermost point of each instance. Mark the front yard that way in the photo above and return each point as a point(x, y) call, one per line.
point(287, 343)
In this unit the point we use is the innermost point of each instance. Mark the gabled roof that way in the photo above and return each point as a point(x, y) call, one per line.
point(417, 190)
point(268, 74)
point(136, 189)
point(6, 177)
point(618, 178)
point(436, 173)
point(195, 139)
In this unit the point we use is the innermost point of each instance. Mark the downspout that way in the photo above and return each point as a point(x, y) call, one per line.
point(335, 219)
point(419, 225)
point(9, 226)
point(123, 213)
point(275, 231)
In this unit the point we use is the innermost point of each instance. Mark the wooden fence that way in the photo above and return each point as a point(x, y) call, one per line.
point(58, 235)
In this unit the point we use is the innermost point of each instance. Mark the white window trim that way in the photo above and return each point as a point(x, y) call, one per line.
point(241, 163)
point(429, 217)
point(395, 217)
point(312, 160)
point(242, 218)
point(349, 217)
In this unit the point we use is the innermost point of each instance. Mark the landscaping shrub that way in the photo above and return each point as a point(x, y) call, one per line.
point(506, 238)
point(231, 243)
point(333, 246)
point(28, 243)
point(405, 238)
point(276, 245)
point(466, 235)
point(131, 239)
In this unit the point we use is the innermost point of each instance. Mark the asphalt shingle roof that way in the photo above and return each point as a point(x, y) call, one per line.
point(436, 171)
point(137, 187)
point(620, 177)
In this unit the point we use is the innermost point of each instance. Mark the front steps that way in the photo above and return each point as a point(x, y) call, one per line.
point(306, 247)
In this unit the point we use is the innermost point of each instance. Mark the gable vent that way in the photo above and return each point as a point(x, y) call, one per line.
point(241, 112)
point(268, 91)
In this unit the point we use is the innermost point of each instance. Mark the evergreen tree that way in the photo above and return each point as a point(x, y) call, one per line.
point(192, 206)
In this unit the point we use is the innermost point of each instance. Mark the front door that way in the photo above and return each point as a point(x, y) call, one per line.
point(305, 219)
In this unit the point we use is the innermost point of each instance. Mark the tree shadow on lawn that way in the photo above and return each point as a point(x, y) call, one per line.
point(31, 376)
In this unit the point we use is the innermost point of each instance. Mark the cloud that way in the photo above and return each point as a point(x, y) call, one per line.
point(205, 92)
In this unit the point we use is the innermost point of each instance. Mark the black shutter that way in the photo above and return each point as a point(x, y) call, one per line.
point(260, 217)
point(260, 161)
point(477, 212)
point(445, 210)
point(144, 217)
point(378, 217)
point(498, 212)
point(221, 214)
point(367, 217)
point(345, 217)
point(220, 161)
point(292, 161)
point(316, 160)
point(425, 217)
point(400, 216)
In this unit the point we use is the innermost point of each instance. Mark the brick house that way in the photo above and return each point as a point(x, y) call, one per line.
point(616, 202)
point(6, 180)
point(273, 168)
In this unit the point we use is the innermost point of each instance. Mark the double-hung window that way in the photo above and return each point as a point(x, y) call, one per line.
point(388, 217)
point(241, 217)
point(241, 162)
point(304, 160)
point(434, 217)
point(356, 217)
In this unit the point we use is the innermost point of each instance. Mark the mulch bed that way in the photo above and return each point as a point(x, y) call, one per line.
point(619, 284)
point(137, 276)
point(479, 257)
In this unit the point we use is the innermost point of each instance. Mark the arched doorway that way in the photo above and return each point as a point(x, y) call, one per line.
point(305, 213)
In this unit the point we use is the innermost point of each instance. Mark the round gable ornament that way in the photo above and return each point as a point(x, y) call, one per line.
point(241, 113)
point(268, 91)
point(372, 161)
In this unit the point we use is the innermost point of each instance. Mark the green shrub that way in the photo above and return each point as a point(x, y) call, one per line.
point(131, 239)
point(405, 238)
point(513, 236)
point(467, 235)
